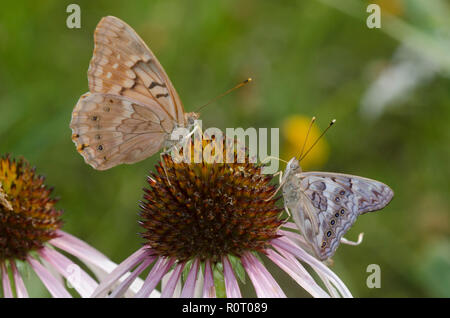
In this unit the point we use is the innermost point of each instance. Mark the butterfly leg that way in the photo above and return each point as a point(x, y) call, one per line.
point(279, 187)
point(161, 156)
point(287, 210)
point(196, 127)
point(348, 242)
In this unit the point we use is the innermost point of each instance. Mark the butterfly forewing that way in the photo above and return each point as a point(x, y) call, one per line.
point(122, 64)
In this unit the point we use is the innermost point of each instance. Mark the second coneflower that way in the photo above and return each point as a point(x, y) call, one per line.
point(31, 237)
point(201, 220)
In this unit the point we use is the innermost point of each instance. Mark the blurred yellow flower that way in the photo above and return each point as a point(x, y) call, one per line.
point(294, 130)
point(392, 7)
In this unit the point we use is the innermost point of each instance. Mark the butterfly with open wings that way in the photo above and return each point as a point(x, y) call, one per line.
point(131, 108)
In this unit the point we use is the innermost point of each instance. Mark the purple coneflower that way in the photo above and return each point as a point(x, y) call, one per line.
point(30, 235)
point(215, 220)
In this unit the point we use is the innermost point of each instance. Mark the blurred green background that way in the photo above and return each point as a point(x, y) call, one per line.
point(388, 88)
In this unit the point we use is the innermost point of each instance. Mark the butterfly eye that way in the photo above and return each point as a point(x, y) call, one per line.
point(342, 192)
point(333, 222)
point(324, 244)
point(94, 118)
point(337, 215)
point(342, 211)
point(328, 233)
point(100, 147)
point(337, 199)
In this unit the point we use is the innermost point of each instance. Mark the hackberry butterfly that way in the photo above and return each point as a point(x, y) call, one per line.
point(324, 205)
point(131, 108)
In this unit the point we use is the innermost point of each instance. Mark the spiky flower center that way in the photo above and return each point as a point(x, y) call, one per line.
point(206, 211)
point(27, 215)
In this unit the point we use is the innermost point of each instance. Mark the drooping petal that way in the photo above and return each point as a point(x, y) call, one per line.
point(300, 241)
point(290, 257)
point(77, 277)
point(169, 288)
point(285, 244)
point(82, 250)
point(21, 290)
point(295, 236)
point(96, 261)
point(55, 287)
point(189, 285)
point(334, 293)
point(135, 258)
point(7, 291)
point(231, 284)
point(294, 269)
point(209, 291)
point(160, 268)
point(122, 288)
point(265, 285)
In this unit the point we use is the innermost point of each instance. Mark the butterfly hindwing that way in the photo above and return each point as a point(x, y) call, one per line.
point(109, 130)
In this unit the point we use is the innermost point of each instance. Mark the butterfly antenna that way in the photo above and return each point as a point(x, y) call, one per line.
point(331, 124)
point(307, 134)
point(248, 80)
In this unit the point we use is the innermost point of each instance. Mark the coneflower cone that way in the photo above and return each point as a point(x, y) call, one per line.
point(30, 219)
point(208, 210)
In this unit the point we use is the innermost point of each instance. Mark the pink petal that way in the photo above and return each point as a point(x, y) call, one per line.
point(189, 285)
point(55, 287)
point(265, 285)
point(285, 244)
point(7, 291)
point(294, 269)
point(82, 250)
point(122, 288)
point(334, 293)
point(21, 291)
point(96, 261)
point(209, 291)
point(294, 236)
point(291, 225)
point(135, 258)
point(198, 288)
point(78, 278)
point(231, 284)
point(169, 289)
point(160, 268)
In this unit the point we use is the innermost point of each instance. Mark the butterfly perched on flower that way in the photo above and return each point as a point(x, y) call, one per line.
point(131, 108)
point(324, 205)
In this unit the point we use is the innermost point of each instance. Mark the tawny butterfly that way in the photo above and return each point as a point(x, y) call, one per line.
point(324, 205)
point(131, 108)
